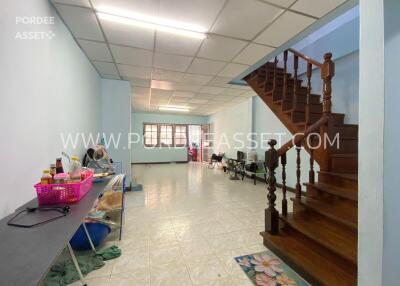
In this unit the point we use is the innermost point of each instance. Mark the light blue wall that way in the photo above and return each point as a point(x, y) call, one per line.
point(345, 85)
point(370, 147)
point(266, 125)
point(48, 87)
point(140, 154)
point(391, 183)
point(230, 128)
point(341, 38)
point(116, 121)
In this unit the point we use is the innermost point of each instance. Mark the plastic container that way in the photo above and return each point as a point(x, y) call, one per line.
point(63, 193)
point(75, 168)
point(97, 231)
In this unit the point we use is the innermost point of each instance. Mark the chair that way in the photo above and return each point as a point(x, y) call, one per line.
point(216, 160)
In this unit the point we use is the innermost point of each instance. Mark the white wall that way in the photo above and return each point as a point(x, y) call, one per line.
point(228, 122)
point(116, 121)
point(267, 125)
point(370, 153)
point(391, 179)
point(47, 87)
point(140, 154)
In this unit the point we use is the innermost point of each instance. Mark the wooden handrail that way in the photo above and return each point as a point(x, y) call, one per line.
point(306, 58)
point(298, 138)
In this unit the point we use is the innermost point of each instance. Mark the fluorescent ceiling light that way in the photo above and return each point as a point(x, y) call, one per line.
point(160, 84)
point(150, 22)
point(174, 108)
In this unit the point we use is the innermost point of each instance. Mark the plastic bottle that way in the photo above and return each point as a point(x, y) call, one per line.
point(75, 168)
point(46, 178)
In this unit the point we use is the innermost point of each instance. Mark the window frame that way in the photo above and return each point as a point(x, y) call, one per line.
point(144, 135)
point(159, 144)
point(186, 135)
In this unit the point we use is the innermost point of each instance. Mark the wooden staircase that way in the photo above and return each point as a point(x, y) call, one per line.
point(319, 238)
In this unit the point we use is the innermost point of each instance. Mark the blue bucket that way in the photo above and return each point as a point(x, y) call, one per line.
point(97, 231)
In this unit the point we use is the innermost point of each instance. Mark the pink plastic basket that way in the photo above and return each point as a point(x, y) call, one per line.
point(63, 193)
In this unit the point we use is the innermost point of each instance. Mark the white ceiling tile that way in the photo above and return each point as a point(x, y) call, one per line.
point(81, 21)
point(106, 68)
point(179, 99)
point(188, 87)
point(222, 98)
point(171, 62)
point(132, 56)
point(176, 44)
point(128, 35)
point(198, 101)
point(167, 75)
point(245, 20)
point(138, 81)
point(203, 66)
point(285, 28)
point(148, 7)
point(160, 93)
point(133, 71)
point(249, 93)
point(196, 78)
point(252, 53)
point(96, 51)
point(233, 70)
point(204, 96)
point(84, 3)
point(220, 48)
point(283, 3)
point(212, 89)
point(220, 80)
point(185, 94)
point(323, 7)
point(159, 101)
point(233, 92)
point(140, 92)
point(240, 86)
point(196, 12)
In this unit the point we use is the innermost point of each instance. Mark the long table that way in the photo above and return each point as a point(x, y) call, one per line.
point(28, 253)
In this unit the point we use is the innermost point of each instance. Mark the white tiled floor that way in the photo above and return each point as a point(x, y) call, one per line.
point(186, 227)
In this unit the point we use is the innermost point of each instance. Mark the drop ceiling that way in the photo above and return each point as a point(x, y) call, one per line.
point(168, 69)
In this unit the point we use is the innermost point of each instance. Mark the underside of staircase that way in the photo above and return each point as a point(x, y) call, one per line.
point(319, 238)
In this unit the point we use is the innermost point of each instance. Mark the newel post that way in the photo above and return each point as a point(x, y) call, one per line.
point(271, 214)
point(327, 73)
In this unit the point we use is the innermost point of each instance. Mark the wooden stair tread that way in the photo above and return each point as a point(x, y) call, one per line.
point(338, 212)
point(348, 176)
point(335, 237)
point(334, 190)
point(309, 259)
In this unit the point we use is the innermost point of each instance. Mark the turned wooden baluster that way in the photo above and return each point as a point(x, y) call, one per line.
point(296, 67)
point(284, 201)
point(298, 172)
point(308, 103)
point(285, 80)
point(271, 214)
point(327, 73)
point(274, 84)
point(311, 173)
